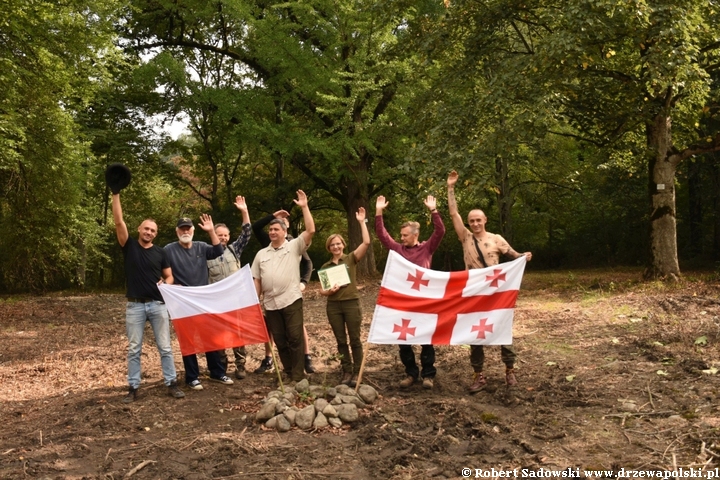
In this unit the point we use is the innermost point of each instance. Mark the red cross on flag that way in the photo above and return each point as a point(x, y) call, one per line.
point(420, 306)
point(213, 317)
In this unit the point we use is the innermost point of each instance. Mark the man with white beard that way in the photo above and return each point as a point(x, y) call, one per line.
point(188, 260)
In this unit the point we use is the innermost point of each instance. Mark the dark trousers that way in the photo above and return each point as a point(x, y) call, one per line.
point(240, 356)
point(346, 315)
point(192, 369)
point(286, 326)
point(477, 356)
point(427, 361)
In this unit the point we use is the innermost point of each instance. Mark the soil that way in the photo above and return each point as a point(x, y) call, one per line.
point(612, 374)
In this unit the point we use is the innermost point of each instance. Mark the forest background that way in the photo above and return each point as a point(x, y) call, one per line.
point(588, 131)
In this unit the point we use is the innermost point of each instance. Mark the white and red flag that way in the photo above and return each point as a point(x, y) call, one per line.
point(213, 317)
point(418, 306)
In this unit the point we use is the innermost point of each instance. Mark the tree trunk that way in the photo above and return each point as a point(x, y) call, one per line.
point(696, 210)
point(716, 210)
point(357, 197)
point(663, 229)
point(503, 197)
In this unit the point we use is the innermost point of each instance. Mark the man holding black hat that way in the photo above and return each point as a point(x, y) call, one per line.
point(188, 260)
point(146, 265)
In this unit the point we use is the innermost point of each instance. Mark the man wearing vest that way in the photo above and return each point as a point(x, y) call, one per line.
point(228, 263)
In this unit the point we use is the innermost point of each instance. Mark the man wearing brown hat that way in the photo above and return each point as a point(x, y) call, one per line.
point(188, 260)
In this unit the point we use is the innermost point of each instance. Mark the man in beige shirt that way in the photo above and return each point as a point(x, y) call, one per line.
point(482, 249)
point(276, 271)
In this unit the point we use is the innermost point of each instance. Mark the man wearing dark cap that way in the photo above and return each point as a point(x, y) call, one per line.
point(188, 260)
point(145, 266)
point(276, 271)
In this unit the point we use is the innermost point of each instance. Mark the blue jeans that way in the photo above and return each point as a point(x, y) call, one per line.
point(136, 314)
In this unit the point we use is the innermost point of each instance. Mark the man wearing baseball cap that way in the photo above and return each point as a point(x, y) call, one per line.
point(188, 260)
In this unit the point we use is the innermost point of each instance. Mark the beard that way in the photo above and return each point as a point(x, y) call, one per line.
point(185, 238)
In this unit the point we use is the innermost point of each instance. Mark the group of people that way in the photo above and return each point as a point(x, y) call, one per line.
point(281, 270)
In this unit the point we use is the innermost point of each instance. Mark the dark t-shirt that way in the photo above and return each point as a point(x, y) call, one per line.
point(143, 269)
point(189, 265)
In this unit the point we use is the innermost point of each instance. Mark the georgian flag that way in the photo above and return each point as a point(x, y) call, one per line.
point(213, 317)
point(418, 306)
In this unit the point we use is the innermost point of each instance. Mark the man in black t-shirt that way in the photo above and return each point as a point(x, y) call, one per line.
point(146, 265)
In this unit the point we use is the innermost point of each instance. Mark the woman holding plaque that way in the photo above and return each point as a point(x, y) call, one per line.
point(337, 278)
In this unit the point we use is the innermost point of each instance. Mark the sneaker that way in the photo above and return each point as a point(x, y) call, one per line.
point(240, 373)
point(408, 382)
point(478, 384)
point(266, 366)
point(131, 395)
point(195, 385)
point(308, 365)
point(428, 383)
point(225, 380)
point(510, 379)
point(175, 391)
point(347, 377)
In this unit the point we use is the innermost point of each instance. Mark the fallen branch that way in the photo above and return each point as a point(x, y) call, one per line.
point(138, 468)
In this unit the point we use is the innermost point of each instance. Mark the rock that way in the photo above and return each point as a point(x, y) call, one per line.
point(316, 391)
point(348, 412)
point(628, 407)
point(290, 415)
point(331, 392)
point(277, 394)
point(335, 422)
point(282, 424)
point(336, 401)
point(289, 396)
point(344, 390)
point(320, 421)
point(304, 418)
point(320, 404)
point(367, 393)
point(272, 423)
point(266, 412)
point(281, 406)
point(329, 411)
point(357, 401)
point(302, 386)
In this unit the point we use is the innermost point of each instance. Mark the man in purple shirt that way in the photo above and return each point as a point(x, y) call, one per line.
point(419, 253)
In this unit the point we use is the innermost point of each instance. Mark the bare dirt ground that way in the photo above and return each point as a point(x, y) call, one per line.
point(613, 374)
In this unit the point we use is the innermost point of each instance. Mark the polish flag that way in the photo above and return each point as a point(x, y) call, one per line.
point(213, 317)
point(418, 306)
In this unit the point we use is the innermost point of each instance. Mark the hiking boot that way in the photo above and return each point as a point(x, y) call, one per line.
point(266, 366)
point(347, 376)
point(240, 373)
point(353, 382)
point(175, 391)
point(510, 379)
point(131, 395)
point(478, 384)
point(428, 383)
point(195, 385)
point(308, 365)
point(225, 380)
point(408, 382)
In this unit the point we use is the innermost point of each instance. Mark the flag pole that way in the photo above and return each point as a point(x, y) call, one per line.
point(277, 366)
point(362, 366)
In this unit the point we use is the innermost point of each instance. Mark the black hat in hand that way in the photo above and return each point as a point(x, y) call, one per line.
point(117, 177)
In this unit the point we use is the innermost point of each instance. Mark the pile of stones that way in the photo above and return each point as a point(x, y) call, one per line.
point(329, 407)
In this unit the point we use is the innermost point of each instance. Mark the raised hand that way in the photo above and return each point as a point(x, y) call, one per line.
point(430, 203)
point(206, 223)
point(302, 200)
point(360, 215)
point(381, 203)
point(240, 203)
point(281, 214)
point(452, 179)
